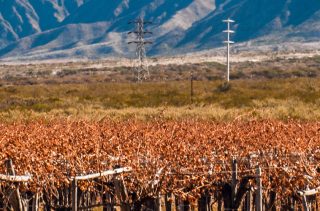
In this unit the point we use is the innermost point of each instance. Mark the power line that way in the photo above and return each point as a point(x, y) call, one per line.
point(228, 42)
point(140, 69)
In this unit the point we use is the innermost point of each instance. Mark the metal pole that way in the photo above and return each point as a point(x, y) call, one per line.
point(259, 190)
point(228, 57)
point(74, 195)
point(228, 42)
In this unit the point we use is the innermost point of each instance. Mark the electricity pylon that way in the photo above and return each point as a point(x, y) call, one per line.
point(228, 42)
point(140, 69)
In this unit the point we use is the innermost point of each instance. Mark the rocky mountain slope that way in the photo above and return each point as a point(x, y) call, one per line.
point(44, 29)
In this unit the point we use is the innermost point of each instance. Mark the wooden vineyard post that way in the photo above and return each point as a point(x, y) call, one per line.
point(309, 193)
point(259, 190)
point(35, 202)
point(169, 200)
point(305, 203)
point(234, 181)
point(248, 201)
point(248, 198)
point(184, 205)
point(161, 203)
point(74, 195)
point(204, 202)
point(15, 199)
point(121, 194)
point(219, 207)
point(120, 190)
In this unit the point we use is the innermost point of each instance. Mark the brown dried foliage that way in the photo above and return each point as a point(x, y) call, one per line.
point(182, 157)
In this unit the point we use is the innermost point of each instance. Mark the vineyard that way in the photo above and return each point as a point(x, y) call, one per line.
point(160, 165)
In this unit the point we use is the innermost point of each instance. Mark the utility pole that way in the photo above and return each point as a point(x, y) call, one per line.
point(191, 86)
point(228, 42)
point(140, 69)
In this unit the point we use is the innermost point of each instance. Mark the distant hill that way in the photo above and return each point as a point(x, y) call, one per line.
point(44, 29)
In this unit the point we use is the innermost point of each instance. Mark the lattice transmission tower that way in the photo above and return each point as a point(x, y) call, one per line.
point(140, 68)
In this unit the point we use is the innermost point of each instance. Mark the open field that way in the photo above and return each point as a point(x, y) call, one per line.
point(297, 98)
point(282, 88)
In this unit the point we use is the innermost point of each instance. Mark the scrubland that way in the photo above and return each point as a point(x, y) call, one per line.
point(277, 89)
point(297, 98)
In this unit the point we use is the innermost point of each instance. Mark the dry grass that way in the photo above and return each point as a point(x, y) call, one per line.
point(268, 109)
point(278, 89)
point(280, 99)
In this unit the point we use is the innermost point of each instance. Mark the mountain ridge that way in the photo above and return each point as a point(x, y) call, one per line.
point(59, 28)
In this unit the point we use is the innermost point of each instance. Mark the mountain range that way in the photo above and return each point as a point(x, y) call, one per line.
point(55, 29)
